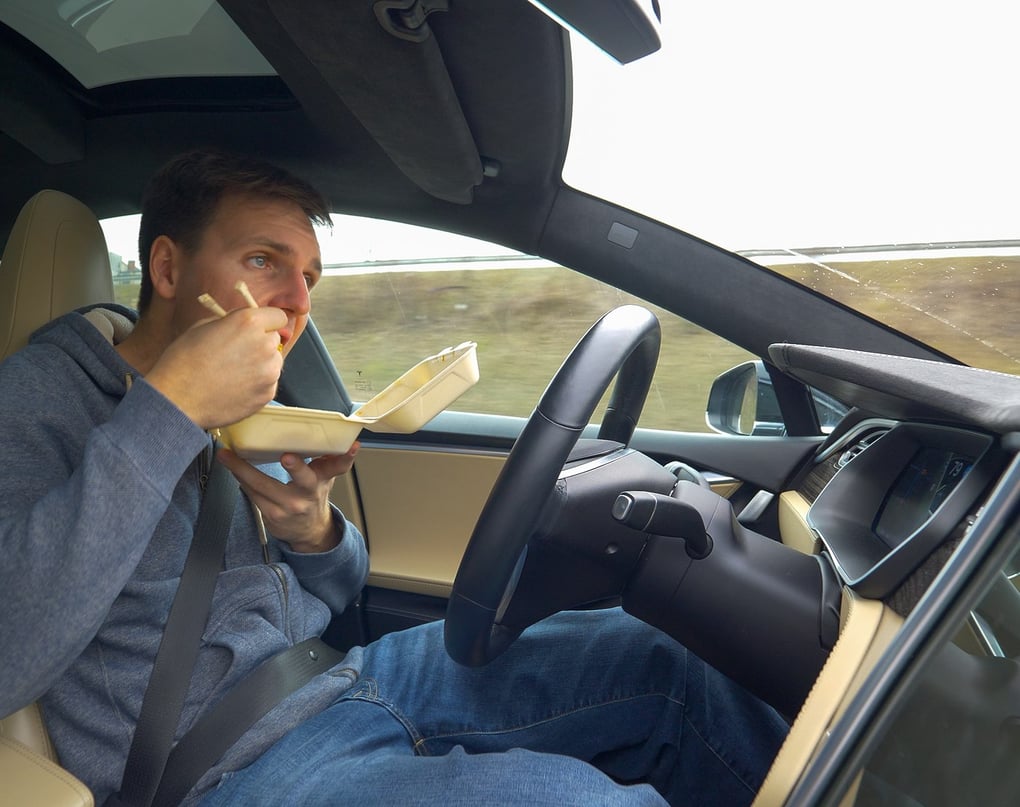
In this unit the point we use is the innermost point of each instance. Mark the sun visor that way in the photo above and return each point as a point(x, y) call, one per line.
point(396, 86)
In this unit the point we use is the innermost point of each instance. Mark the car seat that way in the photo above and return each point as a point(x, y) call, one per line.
point(55, 261)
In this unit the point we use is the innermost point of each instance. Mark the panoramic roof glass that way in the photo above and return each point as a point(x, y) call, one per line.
point(103, 42)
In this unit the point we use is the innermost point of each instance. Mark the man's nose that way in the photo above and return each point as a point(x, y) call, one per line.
point(294, 296)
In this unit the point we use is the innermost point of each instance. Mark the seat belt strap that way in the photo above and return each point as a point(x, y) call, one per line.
point(251, 699)
point(155, 775)
point(178, 649)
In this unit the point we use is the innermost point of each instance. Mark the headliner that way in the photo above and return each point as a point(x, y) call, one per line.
point(482, 148)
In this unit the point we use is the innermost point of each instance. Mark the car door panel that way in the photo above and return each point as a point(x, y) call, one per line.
point(419, 508)
point(417, 497)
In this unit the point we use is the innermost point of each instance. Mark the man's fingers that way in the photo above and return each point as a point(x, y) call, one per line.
point(246, 473)
point(334, 465)
point(304, 476)
point(321, 469)
point(297, 512)
point(270, 318)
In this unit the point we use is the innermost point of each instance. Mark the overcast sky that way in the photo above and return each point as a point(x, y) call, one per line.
point(795, 123)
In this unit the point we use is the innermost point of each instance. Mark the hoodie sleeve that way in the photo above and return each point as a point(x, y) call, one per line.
point(337, 576)
point(78, 505)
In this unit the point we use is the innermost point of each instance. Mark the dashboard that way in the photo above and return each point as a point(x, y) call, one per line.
point(928, 451)
point(897, 491)
point(908, 474)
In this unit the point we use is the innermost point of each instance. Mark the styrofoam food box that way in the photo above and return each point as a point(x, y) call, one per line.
point(403, 407)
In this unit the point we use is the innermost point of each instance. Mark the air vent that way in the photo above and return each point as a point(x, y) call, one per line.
point(869, 439)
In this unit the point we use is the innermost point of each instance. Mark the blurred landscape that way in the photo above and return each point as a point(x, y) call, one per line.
point(377, 325)
point(525, 322)
point(964, 306)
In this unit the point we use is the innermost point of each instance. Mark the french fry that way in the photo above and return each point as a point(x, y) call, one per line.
point(209, 302)
point(242, 287)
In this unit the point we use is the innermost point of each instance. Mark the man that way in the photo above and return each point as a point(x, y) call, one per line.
point(98, 509)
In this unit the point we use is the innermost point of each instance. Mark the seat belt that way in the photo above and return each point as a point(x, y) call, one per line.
point(178, 649)
point(157, 772)
point(252, 698)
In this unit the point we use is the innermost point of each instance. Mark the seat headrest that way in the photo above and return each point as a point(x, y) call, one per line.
point(55, 261)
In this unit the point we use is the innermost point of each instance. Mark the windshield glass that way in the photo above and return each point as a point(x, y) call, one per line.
point(864, 150)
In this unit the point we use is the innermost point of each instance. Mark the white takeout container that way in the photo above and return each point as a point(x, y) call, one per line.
point(403, 407)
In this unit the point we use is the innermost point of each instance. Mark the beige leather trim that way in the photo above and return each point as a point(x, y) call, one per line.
point(867, 630)
point(31, 780)
point(344, 495)
point(793, 523)
point(419, 510)
point(26, 727)
point(725, 489)
point(412, 585)
point(850, 798)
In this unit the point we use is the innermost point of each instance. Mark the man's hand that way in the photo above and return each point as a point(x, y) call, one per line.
point(297, 512)
point(222, 370)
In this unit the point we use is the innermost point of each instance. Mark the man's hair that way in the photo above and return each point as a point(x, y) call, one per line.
point(181, 199)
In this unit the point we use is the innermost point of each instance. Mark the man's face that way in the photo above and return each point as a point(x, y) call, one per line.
point(270, 245)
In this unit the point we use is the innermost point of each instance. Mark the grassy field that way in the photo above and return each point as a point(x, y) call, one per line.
point(962, 305)
point(525, 321)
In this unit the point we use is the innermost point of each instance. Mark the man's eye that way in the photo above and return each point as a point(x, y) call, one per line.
point(259, 261)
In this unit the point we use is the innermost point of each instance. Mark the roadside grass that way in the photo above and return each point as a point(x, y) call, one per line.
point(962, 306)
point(525, 322)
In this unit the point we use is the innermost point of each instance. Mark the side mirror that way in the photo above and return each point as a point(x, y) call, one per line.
point(742, 401)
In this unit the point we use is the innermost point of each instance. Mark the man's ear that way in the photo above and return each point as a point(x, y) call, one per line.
point(164, 262)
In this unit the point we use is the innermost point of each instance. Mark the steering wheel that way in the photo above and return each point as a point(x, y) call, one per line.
point(625, 343)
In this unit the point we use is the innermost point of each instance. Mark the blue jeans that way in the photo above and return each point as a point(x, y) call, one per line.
point(586, 708)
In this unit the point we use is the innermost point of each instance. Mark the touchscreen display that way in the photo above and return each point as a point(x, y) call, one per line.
point(930, 476)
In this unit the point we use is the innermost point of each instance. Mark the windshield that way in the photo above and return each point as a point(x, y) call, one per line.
point(864, 150)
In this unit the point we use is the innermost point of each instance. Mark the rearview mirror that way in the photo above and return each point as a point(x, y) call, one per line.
point(625, 29)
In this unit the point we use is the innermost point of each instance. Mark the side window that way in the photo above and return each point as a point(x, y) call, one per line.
point(121, 233)
point(383, 306)
point(392, 294)
point(956, 738)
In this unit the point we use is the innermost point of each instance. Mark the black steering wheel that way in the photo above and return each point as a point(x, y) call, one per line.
point(625, 343)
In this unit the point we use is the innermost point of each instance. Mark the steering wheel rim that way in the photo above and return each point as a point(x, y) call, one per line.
point(623, 343)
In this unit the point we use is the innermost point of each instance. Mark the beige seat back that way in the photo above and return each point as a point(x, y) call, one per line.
point(26, 727)
point(55, 261)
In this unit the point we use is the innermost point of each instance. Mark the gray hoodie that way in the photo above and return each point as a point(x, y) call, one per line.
point(99, 495)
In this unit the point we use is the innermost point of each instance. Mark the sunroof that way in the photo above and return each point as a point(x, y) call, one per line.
point(111, 41)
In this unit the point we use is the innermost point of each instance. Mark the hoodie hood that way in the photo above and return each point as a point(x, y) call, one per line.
point(87, 336)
